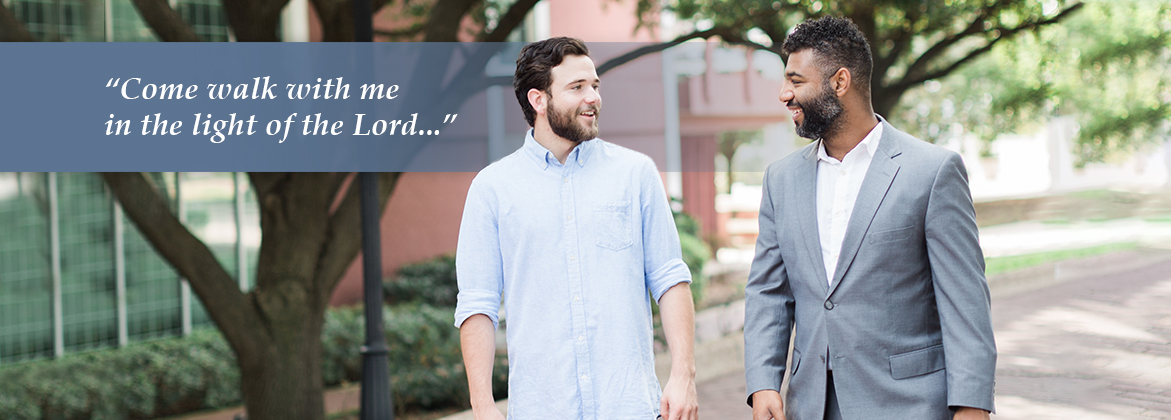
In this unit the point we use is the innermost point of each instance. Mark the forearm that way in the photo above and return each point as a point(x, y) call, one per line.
point(678, 315)
point(477, 338)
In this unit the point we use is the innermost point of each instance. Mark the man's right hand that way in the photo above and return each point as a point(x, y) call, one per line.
point(766, 405)
point(488, 413)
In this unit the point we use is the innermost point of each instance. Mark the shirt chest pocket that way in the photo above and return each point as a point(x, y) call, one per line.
point(612, 225)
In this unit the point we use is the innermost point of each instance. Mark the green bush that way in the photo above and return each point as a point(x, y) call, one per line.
point(426, 366)
point(142, 380)
point(431, 281)
point(695, 251)
point(178, 375)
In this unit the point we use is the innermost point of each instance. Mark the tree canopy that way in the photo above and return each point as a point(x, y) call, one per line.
point(912, 41)
point(1109, 66)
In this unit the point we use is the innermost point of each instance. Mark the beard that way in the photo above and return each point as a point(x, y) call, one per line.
point(564, 124)
point(822, 114)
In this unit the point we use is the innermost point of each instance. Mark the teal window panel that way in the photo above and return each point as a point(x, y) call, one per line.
point(62, 20)
point(152, 290)
point(207, 18)
point(127, 25)
point(26, 314)
point(87, 262)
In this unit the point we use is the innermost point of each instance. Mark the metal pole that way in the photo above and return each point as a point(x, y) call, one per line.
point(376, 392)
point(241, 254)
point(55, 258)
point(120, 274)
point(184, 287)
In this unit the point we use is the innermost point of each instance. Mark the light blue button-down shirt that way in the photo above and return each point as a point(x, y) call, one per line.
point(573, 250)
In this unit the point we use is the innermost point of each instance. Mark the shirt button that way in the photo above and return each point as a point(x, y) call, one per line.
point(576, 298)
point(565, 180)
point(569, 218)
point(573, 258)
point(829, 305)
point(581, 338)
point(585, 377)
point(842, 173)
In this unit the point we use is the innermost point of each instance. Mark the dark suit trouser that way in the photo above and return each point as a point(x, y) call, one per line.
point(832, 411)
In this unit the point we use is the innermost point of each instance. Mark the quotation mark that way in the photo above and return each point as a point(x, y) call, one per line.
point(450, 118)
point(113, 82)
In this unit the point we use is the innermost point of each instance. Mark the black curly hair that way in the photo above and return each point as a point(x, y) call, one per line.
point(837, 43)
point(534, 68)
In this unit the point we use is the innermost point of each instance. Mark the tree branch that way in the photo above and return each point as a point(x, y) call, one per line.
point(165, 21)
point(344, 239)
point(11, 28)
point(511, 19)
point(443, 22)
point(612, 63)
point(227, 305)
point(412, 30)
point(725, 32)
point(916, 69)
point(910, 80)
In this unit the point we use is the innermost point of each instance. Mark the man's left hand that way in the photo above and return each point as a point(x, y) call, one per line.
point(679, 400)
point(969, 413)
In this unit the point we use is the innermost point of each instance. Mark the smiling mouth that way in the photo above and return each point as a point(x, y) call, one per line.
point(589, 114)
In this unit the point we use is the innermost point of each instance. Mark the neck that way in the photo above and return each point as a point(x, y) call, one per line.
point(842, 141)
point(560, 146)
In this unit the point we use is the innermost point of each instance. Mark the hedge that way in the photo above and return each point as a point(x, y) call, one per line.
point(178, 375)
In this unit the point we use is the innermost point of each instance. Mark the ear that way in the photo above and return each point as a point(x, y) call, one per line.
point(537, 100)
point(841, 81)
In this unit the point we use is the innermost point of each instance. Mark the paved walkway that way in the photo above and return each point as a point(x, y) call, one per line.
point(1093, 344)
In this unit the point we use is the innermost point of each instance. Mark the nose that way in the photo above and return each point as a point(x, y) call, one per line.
point(593, 97)
point(786, 93)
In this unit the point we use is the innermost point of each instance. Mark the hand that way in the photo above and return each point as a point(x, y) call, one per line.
point(969, 413)
point(767, 404)
point(679, 399)
point(488, 413)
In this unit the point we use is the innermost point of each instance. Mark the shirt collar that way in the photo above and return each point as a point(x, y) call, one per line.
point(543, 157)
point(869, 144)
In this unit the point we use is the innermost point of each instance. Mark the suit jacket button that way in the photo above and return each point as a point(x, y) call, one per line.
point(829, 305)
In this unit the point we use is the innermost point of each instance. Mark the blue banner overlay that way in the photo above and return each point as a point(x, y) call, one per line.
point(246, 107)
point(341, 107)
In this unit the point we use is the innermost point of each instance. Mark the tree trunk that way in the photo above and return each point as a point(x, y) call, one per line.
point(254, 20)
point(285, 380)
point(309, 239)
point(885, 99)
point(12, 29)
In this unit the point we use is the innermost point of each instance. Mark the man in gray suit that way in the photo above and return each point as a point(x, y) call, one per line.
point(868, 247)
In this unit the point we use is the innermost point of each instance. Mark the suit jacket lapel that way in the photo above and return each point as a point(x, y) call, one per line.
point(875, 185)
point(805, 187)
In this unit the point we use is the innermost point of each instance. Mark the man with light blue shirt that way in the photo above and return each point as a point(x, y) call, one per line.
point(573, 233)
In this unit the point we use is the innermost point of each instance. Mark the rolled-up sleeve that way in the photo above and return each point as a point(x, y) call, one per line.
point(662, 257)
point(478, 262)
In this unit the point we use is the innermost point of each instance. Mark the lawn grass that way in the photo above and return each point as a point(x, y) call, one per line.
point(998, 265)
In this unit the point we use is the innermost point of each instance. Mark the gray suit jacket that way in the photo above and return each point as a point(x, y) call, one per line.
point(906, 318)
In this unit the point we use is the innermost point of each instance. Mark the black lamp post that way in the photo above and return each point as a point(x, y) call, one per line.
point(376, 393)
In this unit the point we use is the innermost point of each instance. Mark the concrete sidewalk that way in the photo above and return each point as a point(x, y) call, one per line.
point(719, 348)
point(1092, 341)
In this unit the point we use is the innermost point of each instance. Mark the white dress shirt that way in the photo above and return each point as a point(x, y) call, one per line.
point(838, 183)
